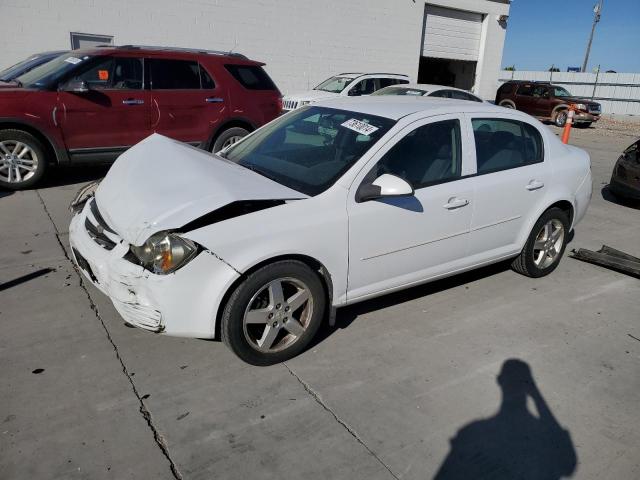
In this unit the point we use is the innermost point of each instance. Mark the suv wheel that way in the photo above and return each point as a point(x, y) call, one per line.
point(274, 313)
point(507, 105)
point(561, 118)
point(228, 138)
point(22, 159)
point(545, 245)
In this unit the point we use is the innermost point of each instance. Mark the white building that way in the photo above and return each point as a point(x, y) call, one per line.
point(456, 42)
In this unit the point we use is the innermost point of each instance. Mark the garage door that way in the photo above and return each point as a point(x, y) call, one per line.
point(450, 33)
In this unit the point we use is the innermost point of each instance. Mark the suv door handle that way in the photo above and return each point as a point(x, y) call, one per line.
point(214, 100)
point(455, 202)
point(534, 185)
point(133, 101)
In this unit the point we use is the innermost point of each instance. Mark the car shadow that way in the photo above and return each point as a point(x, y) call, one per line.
point(60, 176)
point(345, 316)
point(514, 443)
point(5, 193)
point(609, 196)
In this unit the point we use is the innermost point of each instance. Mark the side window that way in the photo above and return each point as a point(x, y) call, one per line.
point(463, 96)
point(506, 88)
point(441, 94)
point(364, 87)
point(526, 89)
point(403, 81)
point(205, 79)
point(387, 82)
point(174, 74)
point(251, 77)
point(540, 92)
point(503, 144)
point(427, 155)
point(114, 73)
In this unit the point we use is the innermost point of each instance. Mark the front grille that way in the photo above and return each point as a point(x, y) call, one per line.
point(289, 104)
point(595, 109)
point(98, 229)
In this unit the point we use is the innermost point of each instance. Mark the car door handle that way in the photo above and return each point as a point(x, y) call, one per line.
point(455, 202)
point(534, 185)
point(214, 100)
point(133, 101)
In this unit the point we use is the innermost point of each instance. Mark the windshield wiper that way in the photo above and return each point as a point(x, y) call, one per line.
point(253, 168)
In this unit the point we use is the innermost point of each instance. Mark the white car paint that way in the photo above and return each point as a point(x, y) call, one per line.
point(428, 90)
point(300, 99)
point(367, 248)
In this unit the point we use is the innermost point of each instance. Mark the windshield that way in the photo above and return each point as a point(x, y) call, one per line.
point(560, 92)
point(13, 71)
point(334, 84)
point(399, 91)
point(46, 75)
point(310, 148)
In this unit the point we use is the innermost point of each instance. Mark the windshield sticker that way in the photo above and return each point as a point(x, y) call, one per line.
point(359, 127)
point(72, 60)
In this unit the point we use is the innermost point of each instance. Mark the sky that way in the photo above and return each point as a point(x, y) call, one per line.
point(545, 32)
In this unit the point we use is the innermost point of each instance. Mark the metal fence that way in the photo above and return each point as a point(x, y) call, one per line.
point(618, 93)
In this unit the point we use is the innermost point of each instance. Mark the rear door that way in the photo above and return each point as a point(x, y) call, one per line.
point(186, 102)
point(542, 106)
point(524, 98)
point(113, 114)
point(511, 180)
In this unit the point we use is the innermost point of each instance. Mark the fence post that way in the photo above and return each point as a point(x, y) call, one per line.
point(595, 84)
point(551, 73)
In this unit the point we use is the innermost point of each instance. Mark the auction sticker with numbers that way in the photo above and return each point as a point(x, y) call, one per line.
point(359, 127)
point(72, 60)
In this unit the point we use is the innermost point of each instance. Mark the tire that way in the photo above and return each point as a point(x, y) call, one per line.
point(228, 137)
point(21, 155)
point(560, 118)
point(535, 262)
point(507, 105)
point(285, 323)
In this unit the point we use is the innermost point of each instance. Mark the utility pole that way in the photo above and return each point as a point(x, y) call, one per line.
point(597, 10)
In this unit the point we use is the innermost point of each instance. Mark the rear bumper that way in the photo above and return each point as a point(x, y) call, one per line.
point(184, 303)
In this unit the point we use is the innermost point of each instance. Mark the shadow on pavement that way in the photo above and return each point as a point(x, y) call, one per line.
point(5, 193)
point(609, 196)
point(513, 443)
point(60, 176)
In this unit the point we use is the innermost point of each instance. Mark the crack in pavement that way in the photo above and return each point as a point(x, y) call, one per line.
point(146, 414)
point(344, 424)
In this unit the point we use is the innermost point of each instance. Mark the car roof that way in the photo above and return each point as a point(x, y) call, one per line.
point(395, 107)
point(362, 74)
point(150, 49)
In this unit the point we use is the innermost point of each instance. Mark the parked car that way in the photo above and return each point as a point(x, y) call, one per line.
point(385, 192)
point(8, 75)
point(344, 84)
point(547, 102)
point(625, 178)
point(427, 90)
point(91, 105)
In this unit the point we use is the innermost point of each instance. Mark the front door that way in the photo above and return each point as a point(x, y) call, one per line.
point(186, 104)
point(395, 242)
point(113, 114)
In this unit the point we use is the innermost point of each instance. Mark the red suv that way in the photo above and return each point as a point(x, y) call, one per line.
point(91, 105)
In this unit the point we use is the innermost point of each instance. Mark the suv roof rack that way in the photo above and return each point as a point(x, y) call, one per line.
point(373, 73)
point(178, 49)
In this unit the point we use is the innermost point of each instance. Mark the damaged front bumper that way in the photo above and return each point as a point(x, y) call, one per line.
point(183, 303)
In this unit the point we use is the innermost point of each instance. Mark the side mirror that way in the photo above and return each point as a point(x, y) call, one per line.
point(385, 185)
point(76, 86)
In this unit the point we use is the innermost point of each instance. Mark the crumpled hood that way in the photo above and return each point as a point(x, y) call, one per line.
point(311, 95)
point(162, 184)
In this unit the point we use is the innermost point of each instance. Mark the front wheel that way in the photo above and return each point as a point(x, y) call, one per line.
point(22, 159)
point(561, 118)
point(274, 313)
point(228, 138)
point(545, 245)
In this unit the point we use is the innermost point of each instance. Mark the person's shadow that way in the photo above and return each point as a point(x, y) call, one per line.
point(514, 443)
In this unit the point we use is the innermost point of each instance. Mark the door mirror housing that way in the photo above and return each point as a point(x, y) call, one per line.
point(384, 186)
point(76, 86)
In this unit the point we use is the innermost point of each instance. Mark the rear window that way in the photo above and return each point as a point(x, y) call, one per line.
point(251, 77)
point(174, 74)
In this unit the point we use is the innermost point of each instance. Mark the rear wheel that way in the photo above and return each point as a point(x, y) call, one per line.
point(22, 159)
point(228, 138)
point(507, 105)
point(545, 245)
point(274, 313)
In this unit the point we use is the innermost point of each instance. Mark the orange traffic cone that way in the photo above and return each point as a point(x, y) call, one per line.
point(567, 126)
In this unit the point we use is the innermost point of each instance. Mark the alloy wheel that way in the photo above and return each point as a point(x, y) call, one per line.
point(231, 140)
point(278, 314)
point(18, 161)
point(548, 244)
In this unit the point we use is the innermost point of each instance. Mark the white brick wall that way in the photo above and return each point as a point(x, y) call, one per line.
point(302, 41)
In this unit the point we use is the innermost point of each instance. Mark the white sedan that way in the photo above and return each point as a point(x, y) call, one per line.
point(323, 207)
point(428, 90)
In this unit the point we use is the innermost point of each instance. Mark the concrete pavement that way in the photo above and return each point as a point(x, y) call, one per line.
point(378, 397)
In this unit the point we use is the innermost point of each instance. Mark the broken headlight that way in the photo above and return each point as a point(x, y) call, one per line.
point(87, 192)
point(165, 252)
